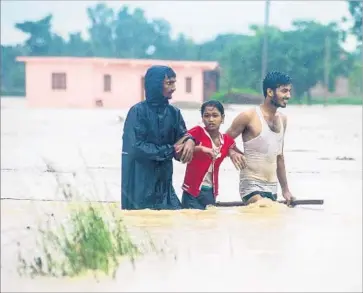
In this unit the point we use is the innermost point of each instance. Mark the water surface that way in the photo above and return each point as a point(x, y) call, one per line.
point(311, 248)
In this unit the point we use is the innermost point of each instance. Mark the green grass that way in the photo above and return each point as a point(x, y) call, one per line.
point(352, 100)
point(91, 239)
point(330, 101)
point(223, 96)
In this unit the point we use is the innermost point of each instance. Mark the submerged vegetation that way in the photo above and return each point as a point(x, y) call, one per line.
point(91, 238)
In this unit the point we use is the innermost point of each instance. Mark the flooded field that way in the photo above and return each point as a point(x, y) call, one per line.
point(308, 248)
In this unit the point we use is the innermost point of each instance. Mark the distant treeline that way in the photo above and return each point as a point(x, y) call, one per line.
point(300, 51)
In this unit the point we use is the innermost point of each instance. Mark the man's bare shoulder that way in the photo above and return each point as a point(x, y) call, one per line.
point(246, 114)
point(283, 117)
point(240, 122)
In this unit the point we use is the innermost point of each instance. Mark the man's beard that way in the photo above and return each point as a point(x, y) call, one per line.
point(275, 103)
point(169, 95)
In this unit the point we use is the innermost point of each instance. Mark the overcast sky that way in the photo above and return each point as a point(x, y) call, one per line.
point(201, 20)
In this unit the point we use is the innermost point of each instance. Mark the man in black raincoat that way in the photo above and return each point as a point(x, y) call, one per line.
point(151, 130)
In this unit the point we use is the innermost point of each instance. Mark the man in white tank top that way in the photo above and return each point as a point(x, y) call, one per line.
point(263, 129)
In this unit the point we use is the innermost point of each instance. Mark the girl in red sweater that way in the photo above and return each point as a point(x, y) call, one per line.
point(201, 176)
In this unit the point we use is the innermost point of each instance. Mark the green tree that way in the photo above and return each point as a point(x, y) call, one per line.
point(77, 46)
point(12, 72)
point(162, 43)
point(300, 52)
point(311, 42)
point(356, 73)
point(41, 41)
point(101, 30)
point(356, 11)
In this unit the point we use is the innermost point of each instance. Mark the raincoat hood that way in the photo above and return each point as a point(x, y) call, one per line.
point(154, 79)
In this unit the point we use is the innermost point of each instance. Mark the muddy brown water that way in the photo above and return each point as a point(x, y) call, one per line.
point(274, 248)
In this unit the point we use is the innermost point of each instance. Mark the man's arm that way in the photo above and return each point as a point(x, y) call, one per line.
point(239, 124)
point(135, 138)
point(281, 170)
point(234, 148)
point(186, 141)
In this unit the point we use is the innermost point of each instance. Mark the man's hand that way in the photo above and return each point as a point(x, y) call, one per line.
point(288, 197)
point(178, 148)
point(238, 160)
point(208, 151)
point(188, 151)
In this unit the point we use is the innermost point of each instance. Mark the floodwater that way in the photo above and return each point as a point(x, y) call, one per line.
point(307, 248)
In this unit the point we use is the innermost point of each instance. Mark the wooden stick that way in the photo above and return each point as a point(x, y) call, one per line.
point(294, 203)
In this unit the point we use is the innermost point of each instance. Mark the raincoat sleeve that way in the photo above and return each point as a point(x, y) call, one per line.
point(135, 134)
point(181, 129)
point(181, 132)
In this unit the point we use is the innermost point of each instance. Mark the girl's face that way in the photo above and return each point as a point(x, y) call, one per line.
point(212, 118)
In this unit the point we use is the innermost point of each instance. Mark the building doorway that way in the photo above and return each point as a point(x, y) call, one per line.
point(142, 88)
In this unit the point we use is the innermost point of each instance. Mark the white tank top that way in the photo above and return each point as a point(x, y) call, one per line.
point(261, 157)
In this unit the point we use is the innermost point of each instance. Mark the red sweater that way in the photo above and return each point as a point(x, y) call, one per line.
point(198, 167)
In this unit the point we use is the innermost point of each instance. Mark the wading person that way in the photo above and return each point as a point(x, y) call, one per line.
point(151, 130)
point(263, 129)
point(202, 173)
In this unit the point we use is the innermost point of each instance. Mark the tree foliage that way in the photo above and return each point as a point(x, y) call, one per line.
point(356, 11)
point(129, 34)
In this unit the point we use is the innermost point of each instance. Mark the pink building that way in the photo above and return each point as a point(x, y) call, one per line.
point(110, 83)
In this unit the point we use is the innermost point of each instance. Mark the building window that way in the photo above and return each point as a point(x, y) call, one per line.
point(107, 83)
point(188, 84)
point(59, 81)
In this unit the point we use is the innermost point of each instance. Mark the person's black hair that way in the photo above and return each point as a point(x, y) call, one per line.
point(275, 79)
point(212, 103)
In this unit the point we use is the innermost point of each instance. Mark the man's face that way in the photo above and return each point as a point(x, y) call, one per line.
point(168, 87)
point(280, 96)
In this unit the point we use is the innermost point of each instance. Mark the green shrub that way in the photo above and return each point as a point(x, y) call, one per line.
point(238, 96)
point(329, 101)
point(89, 241)
point(92, 238)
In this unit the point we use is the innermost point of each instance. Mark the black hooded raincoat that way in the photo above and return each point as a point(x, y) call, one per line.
point(151, 129)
